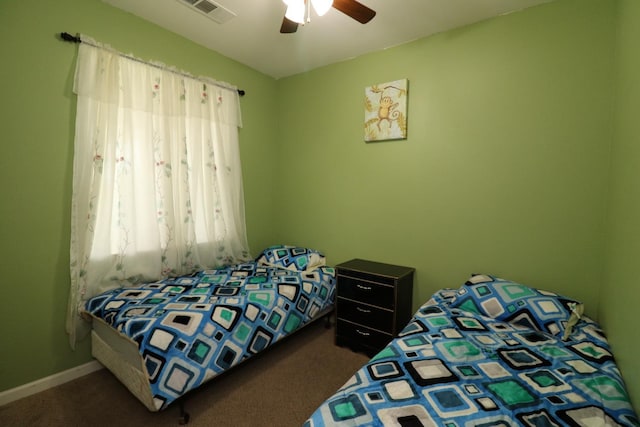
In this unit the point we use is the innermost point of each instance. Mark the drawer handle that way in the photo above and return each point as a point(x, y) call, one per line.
point(364, 288)
point(363, 310)
point(364, 334)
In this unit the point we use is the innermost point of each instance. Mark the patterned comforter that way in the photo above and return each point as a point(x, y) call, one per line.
point(189, 329)
point(456, 368)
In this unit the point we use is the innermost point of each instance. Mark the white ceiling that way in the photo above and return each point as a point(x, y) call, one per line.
point(253, 37)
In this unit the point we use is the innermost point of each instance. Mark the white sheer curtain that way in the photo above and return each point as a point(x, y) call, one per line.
point(157, 185)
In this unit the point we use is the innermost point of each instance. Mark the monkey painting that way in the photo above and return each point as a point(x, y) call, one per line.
point(385, 111)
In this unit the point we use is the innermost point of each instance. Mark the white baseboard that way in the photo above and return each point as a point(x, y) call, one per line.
point(46, 383)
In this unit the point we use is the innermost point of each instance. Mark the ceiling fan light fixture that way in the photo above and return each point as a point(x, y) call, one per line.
point(321, 6)
point(295, 11)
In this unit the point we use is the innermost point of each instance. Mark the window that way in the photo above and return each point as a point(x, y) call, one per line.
point(157, 183)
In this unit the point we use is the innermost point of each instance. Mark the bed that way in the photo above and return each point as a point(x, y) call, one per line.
point(490, 353)
point(165, 338)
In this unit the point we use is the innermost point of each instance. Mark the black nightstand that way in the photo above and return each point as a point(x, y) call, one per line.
point(373, 304)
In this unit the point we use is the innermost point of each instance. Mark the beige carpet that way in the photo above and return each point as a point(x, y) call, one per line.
point(278, 388)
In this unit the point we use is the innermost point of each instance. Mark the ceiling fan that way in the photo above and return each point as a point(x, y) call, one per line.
point(299, 10)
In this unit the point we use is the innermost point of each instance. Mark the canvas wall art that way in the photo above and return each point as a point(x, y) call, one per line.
point(385, 116)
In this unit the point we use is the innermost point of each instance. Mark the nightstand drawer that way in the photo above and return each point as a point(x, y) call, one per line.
point(367, 292)
point(365, 315)
point(360, 337)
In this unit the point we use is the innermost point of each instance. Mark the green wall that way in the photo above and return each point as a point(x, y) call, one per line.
point(37, 115)
point(620, 293)
point(505, 167)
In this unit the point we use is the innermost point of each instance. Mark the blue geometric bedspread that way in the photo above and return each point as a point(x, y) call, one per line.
point(189, 329)
point(454, 368)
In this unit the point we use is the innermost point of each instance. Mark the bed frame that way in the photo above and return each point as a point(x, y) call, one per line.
point(119, 354)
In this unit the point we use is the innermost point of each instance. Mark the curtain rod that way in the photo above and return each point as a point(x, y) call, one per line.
point(76, 39)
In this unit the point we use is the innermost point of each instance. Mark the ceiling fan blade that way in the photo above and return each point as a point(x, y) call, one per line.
point(288, 26)
point(354, 9)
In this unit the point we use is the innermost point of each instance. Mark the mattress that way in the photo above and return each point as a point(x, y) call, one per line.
point(166, 338)
point(460, 367)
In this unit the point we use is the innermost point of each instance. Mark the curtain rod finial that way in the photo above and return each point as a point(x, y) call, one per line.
point(68, 37)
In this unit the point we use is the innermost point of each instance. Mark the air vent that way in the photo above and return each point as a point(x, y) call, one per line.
point(206, 7)
point(210, 9)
